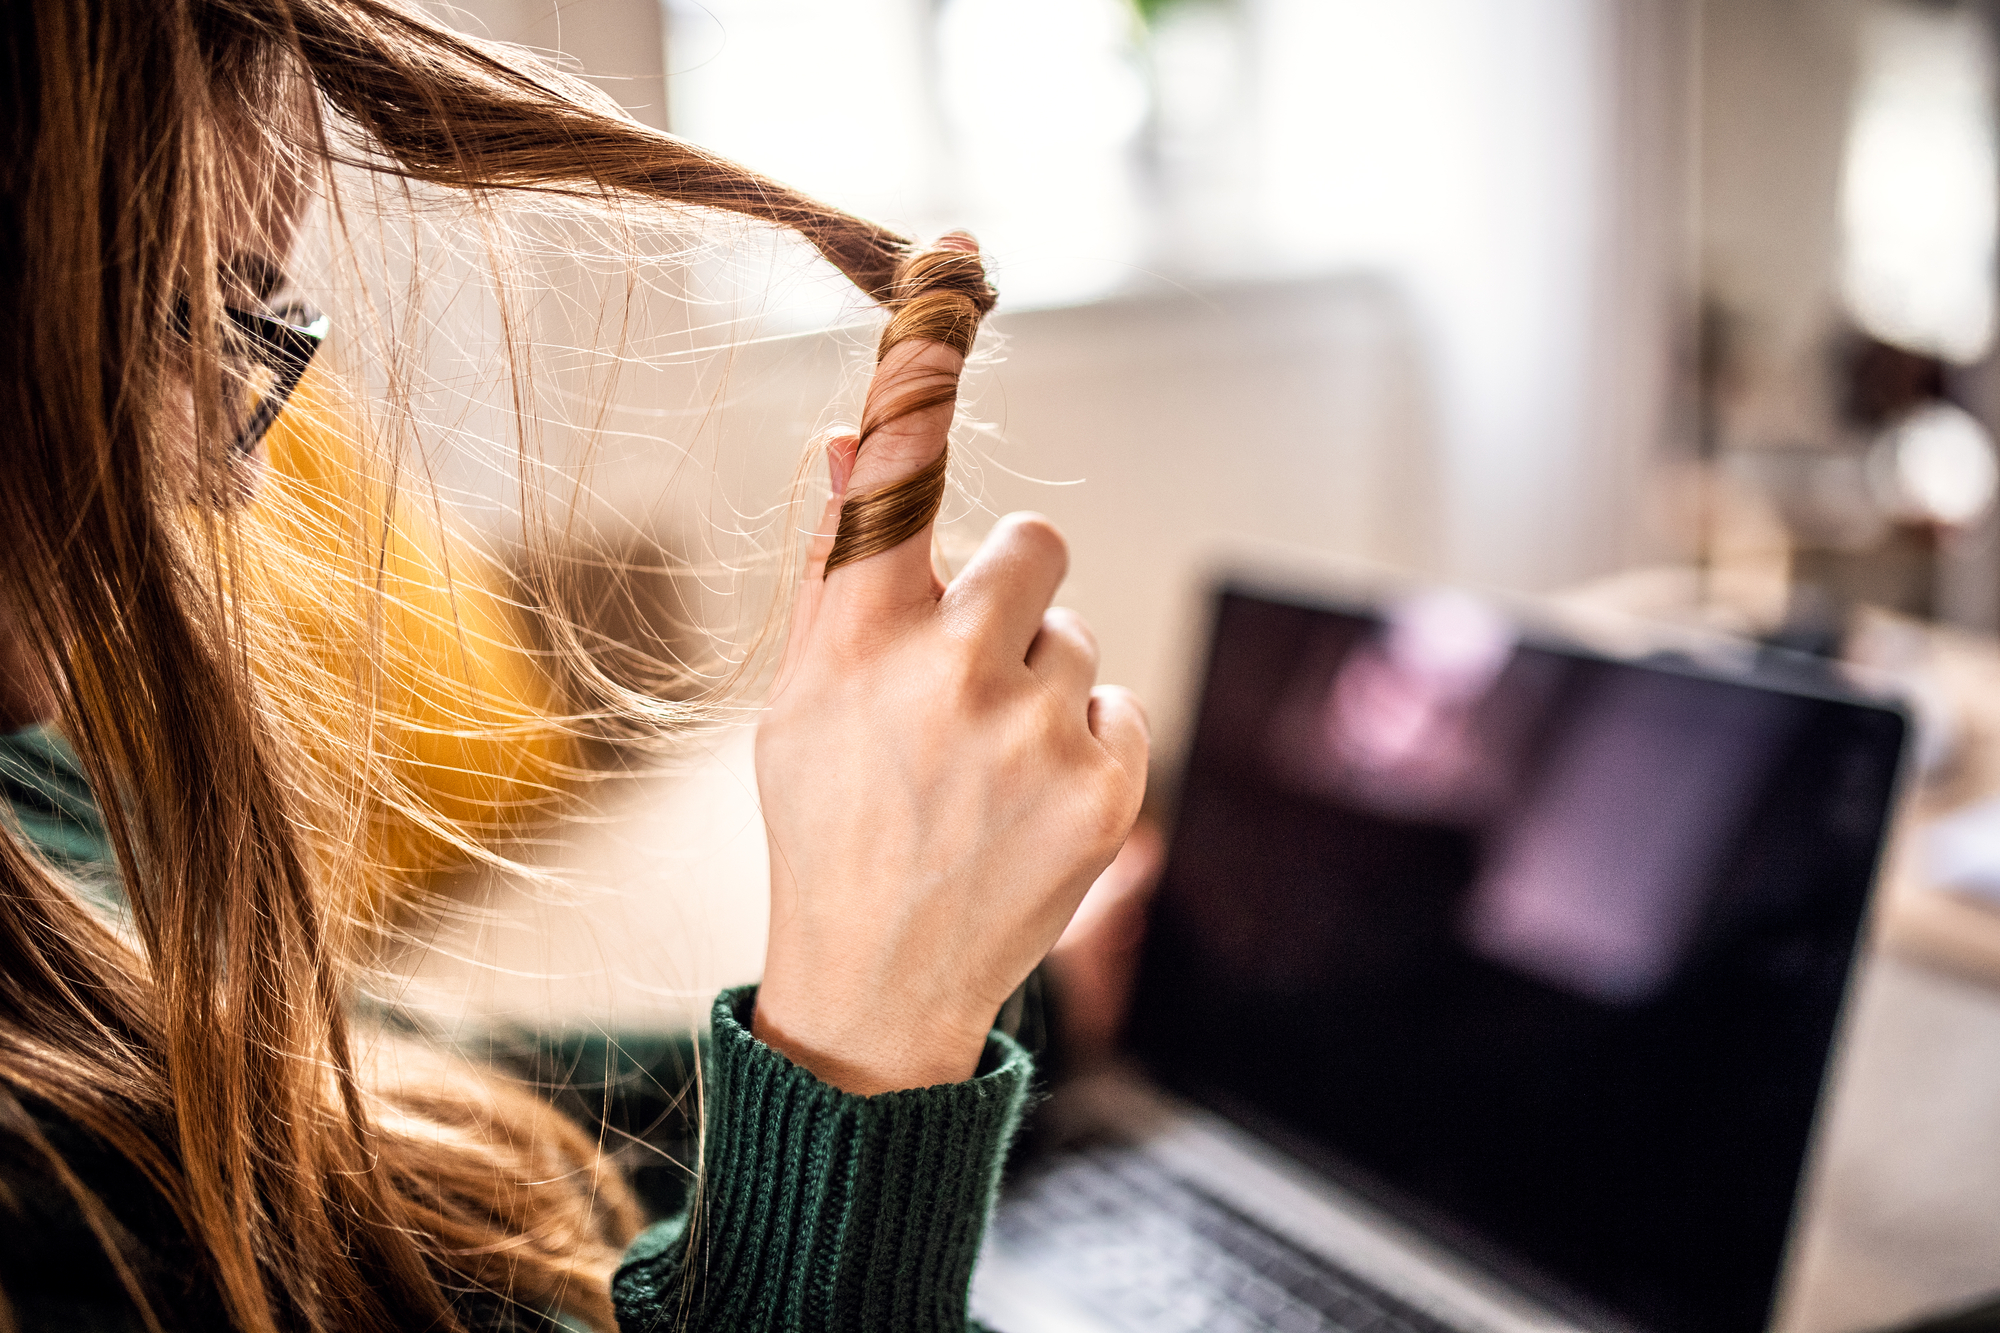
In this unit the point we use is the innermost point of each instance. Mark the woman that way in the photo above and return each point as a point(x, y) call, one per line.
point(190, 1134)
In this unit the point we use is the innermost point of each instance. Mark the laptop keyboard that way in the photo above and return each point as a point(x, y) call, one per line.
point(1151, 1253)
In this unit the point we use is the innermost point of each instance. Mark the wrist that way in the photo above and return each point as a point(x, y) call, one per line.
point(867, 1047)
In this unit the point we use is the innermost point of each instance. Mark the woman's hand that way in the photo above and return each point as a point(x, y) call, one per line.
point(1094, 965)
point(941, 783)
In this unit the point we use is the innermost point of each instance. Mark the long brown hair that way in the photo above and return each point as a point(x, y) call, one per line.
point(210, 1047)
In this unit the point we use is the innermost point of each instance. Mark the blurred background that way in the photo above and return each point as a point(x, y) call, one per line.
point(1681, 308)
point(1414, 283)
point(1525, 294)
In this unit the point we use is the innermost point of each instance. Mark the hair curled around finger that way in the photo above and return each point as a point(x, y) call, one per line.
point(939, 294)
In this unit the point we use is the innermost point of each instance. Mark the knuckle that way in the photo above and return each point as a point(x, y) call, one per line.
point(1054, 716)
point(1067, 624)
point(1110, 813)
point(1122, 700)
point(1040, 538)
point(970, 683)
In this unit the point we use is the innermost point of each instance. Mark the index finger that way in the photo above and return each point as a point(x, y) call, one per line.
point(913, 396)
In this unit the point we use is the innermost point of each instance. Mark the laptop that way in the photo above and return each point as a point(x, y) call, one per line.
point(1491, 985)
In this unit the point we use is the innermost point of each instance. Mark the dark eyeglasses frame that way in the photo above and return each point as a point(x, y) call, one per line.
point(284, 340)
point(283, 337)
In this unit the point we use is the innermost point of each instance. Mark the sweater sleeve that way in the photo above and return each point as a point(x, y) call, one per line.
point(822, 1210)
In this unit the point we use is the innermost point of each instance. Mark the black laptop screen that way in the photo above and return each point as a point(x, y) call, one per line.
point(1543, 948)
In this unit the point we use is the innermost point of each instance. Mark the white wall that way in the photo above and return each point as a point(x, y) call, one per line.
point(1518, 168)
point(619, 44)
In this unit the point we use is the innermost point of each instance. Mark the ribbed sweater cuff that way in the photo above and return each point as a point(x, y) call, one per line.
point(824, 1210)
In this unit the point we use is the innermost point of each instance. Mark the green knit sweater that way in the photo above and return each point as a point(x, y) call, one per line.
point(817, 1209)
point(823, 1210)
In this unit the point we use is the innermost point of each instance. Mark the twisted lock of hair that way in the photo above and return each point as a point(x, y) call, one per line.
point(938, 295)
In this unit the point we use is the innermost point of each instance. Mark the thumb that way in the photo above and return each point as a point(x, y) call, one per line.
point(897, 481)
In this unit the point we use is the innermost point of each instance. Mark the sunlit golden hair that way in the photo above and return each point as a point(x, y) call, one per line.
point(210, 1046)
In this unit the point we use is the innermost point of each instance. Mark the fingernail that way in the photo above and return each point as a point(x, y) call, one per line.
point(839, 465)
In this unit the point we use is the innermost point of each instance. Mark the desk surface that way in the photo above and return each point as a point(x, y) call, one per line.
point(1903, 1208)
